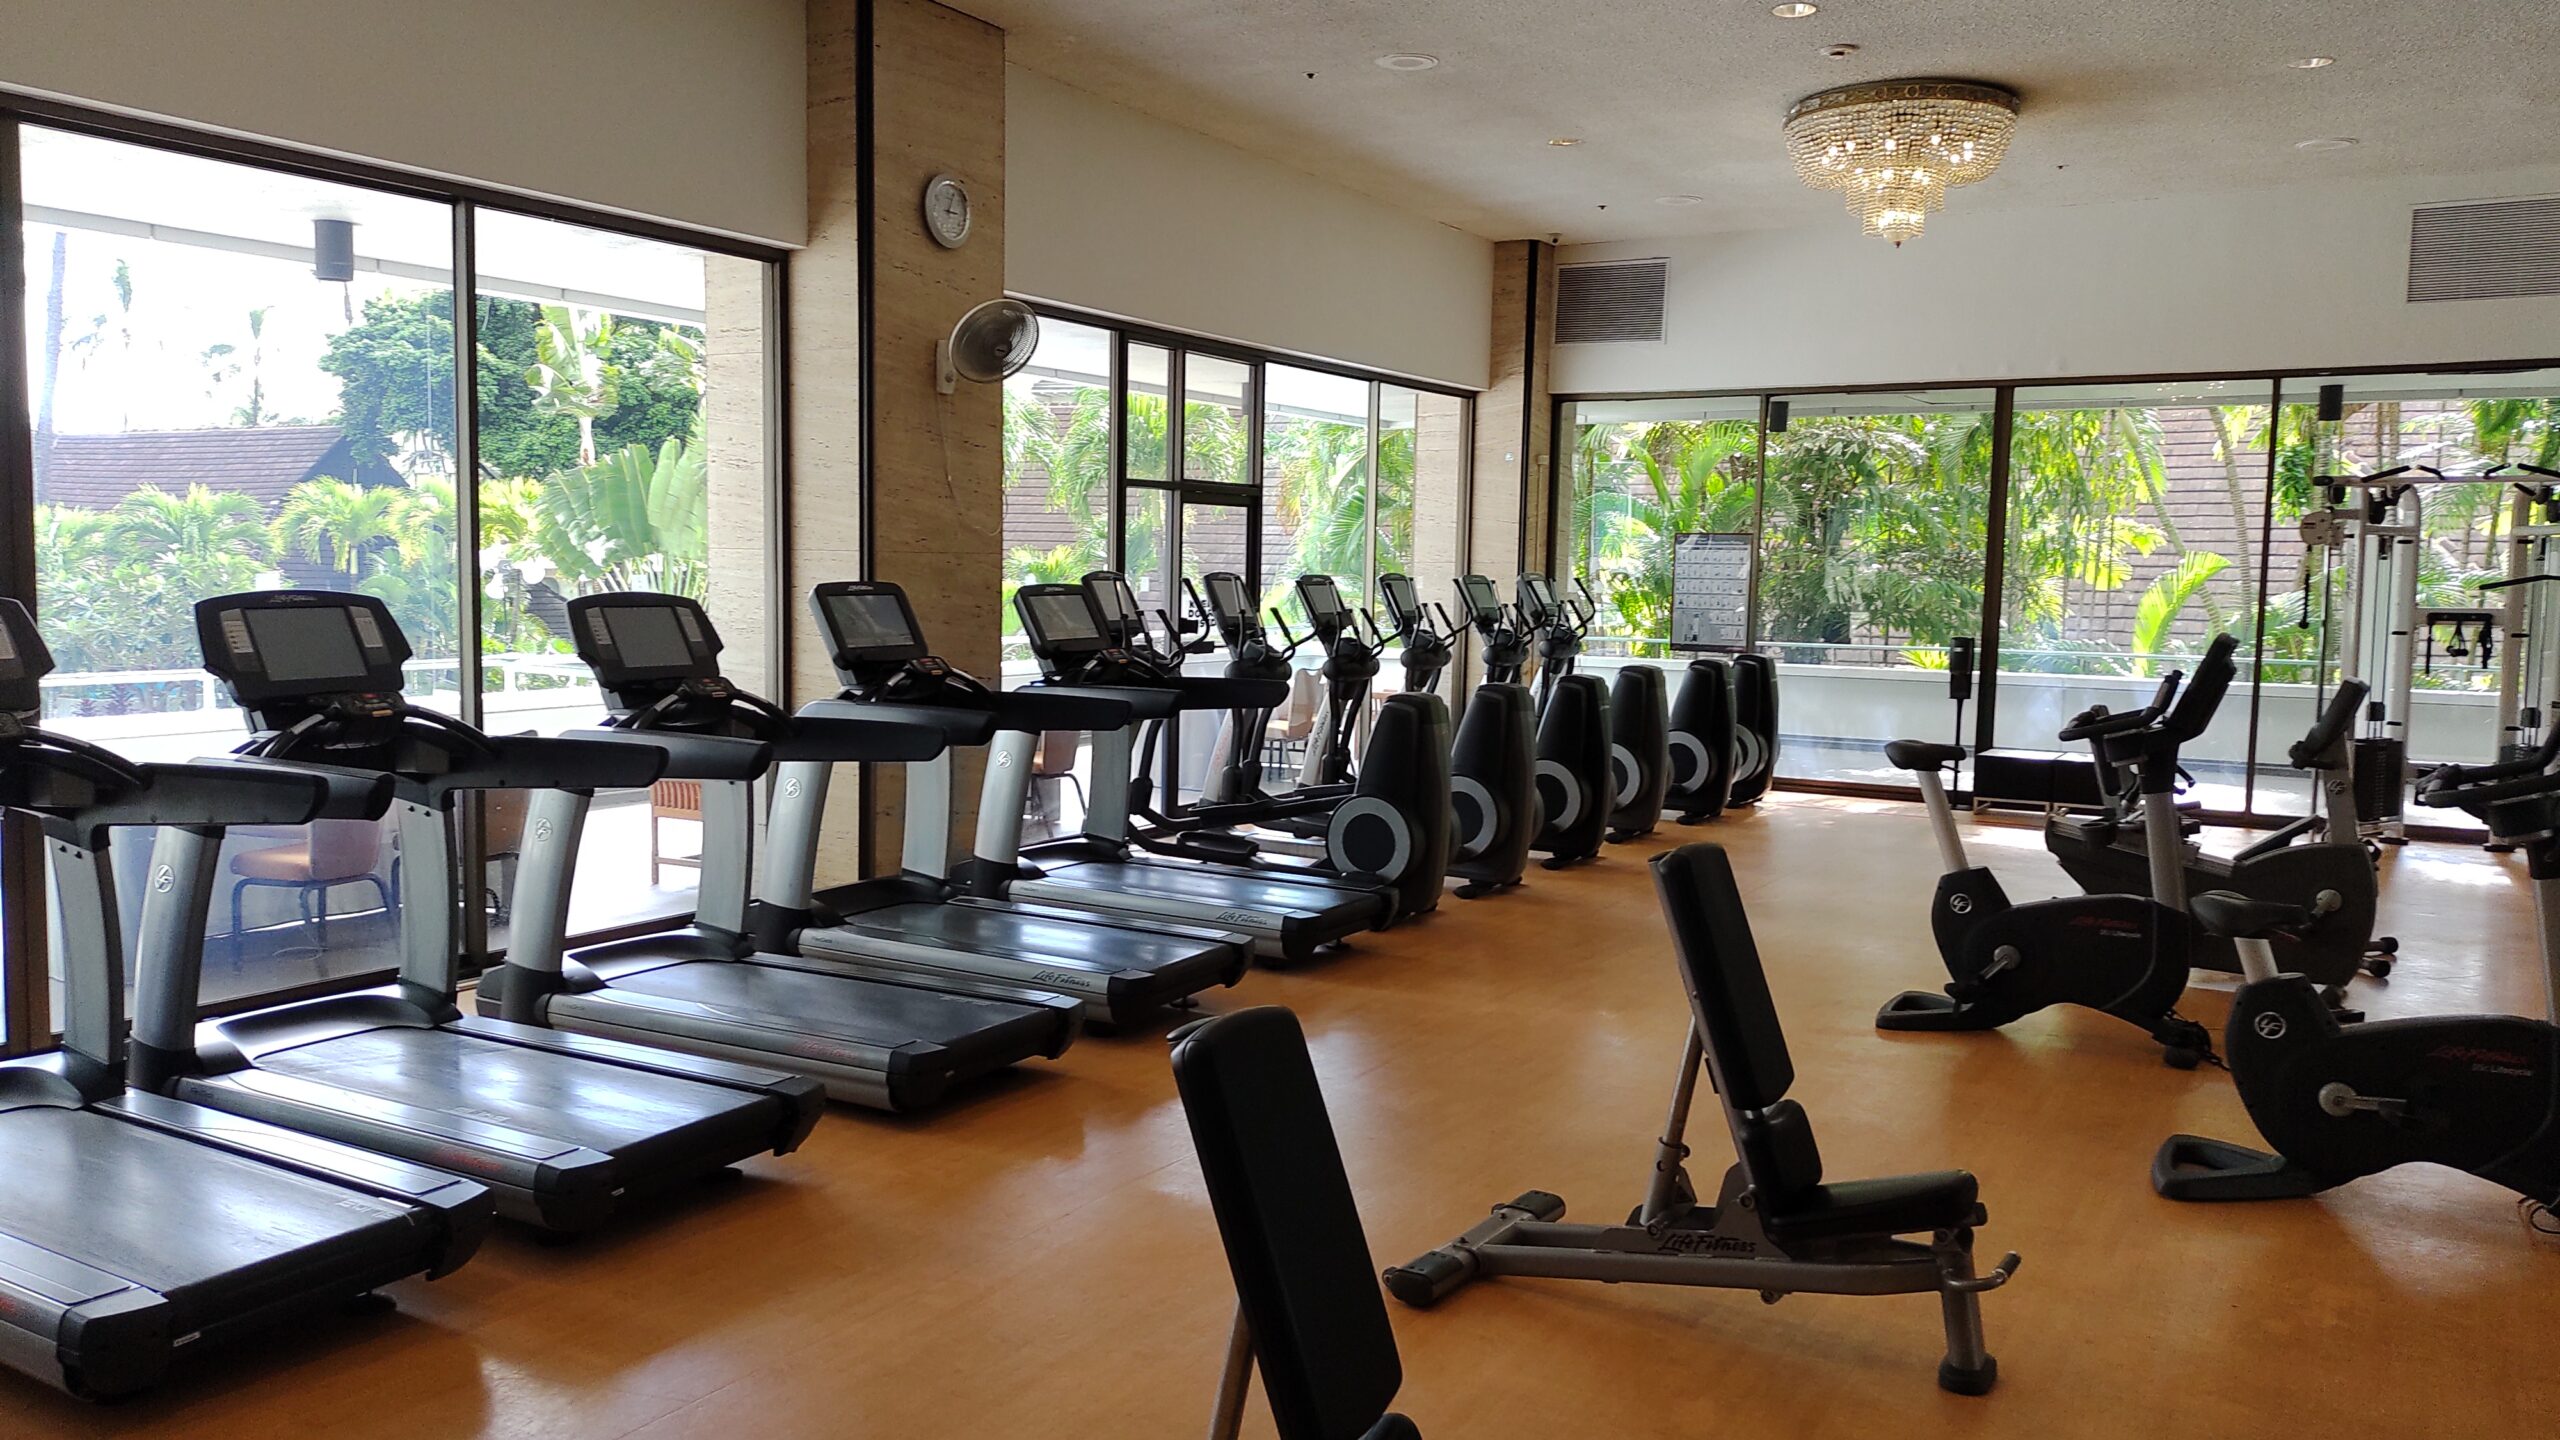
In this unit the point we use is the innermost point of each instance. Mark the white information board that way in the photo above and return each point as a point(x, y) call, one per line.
point(1711, 591)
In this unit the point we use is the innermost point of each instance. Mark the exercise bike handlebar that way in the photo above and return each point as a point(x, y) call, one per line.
point(2450, 786)
point(2099, 722)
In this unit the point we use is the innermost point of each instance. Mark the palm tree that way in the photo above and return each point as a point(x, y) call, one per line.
point(201, 531)
point(337, 523)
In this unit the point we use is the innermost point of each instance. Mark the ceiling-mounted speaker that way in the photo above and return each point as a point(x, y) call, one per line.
point(333, 249)
point(2333, 402)
point(1777, 417)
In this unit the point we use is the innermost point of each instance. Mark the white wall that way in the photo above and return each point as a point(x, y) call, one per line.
point(1111, 210)
point(676, 109)
point(2277, 280)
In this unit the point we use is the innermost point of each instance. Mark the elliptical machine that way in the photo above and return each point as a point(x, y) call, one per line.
point(1755, 728)
point(1703, 742)
point(2121, 955)
point(2476, 1093)
point(1502, 633)
point(1639, 710)
point(1493, 786)
point(1427, 648)
point(1575, 765)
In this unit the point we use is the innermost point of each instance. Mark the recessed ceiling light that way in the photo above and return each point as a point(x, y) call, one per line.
point(1564, 140)
point(2315, 62)
point(1679, 199)
point(1408, 62)
point(2327, 142)
point(1796, 10)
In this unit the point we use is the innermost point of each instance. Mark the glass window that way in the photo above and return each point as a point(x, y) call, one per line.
point(215, 411)
point(2136, 516)
point(1149, 381)
point(1057, 472)
point(1642, 473)
point(1217, 413)
point(622, 447)
point(1315, 486)
point(1875, 513)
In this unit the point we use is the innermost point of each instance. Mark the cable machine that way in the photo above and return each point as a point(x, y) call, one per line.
point(2376, 525)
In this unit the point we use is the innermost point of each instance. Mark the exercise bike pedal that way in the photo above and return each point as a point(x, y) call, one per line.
point(2194, 1167)
point(1926, 1010)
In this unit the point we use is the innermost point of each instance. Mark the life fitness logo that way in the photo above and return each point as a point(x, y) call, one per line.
point(2269, 1026)
point(1961, 904)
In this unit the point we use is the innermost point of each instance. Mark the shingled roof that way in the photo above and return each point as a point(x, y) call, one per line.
point(263, 462)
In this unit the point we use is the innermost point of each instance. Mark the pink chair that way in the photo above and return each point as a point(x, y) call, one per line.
point(329, 853)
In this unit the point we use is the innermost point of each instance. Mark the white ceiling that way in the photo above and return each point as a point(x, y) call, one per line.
point(1669, 97)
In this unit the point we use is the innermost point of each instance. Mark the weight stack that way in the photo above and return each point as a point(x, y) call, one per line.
point(2382, 779)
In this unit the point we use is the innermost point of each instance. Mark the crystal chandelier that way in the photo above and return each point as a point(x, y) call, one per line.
point(1894, 148)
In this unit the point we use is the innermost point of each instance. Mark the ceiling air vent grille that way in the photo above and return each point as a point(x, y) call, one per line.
point(2491, 250)
point(1596, 304)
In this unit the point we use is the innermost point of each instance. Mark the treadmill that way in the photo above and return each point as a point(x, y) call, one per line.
point(917, 923)
point(134, 1227)
point(1289, 917)
point(560, 1128)
point(874, 1037)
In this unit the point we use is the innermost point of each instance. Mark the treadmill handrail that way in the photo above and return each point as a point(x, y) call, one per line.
point(842, 731)
point(691, 755)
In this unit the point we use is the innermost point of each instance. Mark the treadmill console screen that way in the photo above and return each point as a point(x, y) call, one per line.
point(869, 624)
point(23, 660)
point(289, 644)
point(312, 643)
point(1227, 598)
point(1059, 618)
point(1482, 602)
point(632, 636)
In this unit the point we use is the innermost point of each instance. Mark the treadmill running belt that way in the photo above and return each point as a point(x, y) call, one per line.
point(836, 1007)
point(1030, 937)
point(628, 1113)
point(1211, 887)
point(177, 1217)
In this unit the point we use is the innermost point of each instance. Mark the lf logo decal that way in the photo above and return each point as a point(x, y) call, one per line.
point(542, 831)
point(2269, 1027)
point(1961, 904)
point(162, 879)
point(791, 788)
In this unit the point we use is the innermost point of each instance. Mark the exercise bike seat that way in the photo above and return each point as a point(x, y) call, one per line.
point(1921, 754)
point(1894, 1205)
point(2238, 917)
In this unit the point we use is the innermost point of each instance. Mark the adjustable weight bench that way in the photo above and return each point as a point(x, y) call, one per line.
point(1307, 1305)
point(1777, 1227)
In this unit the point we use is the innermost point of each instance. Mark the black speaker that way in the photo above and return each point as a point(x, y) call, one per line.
point(1960, 668)
point(2333, 402)
point(333, 249)
point(1777, 417)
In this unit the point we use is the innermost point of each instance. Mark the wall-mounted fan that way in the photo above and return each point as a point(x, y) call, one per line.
point(991, 342)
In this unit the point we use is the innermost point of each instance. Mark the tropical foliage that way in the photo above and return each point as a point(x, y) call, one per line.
point(117, 588)
point(1874, 526)
point(1315, 473)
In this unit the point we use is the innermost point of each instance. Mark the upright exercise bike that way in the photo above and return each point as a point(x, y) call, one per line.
point(2476, 1093)
point(2121, 955)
